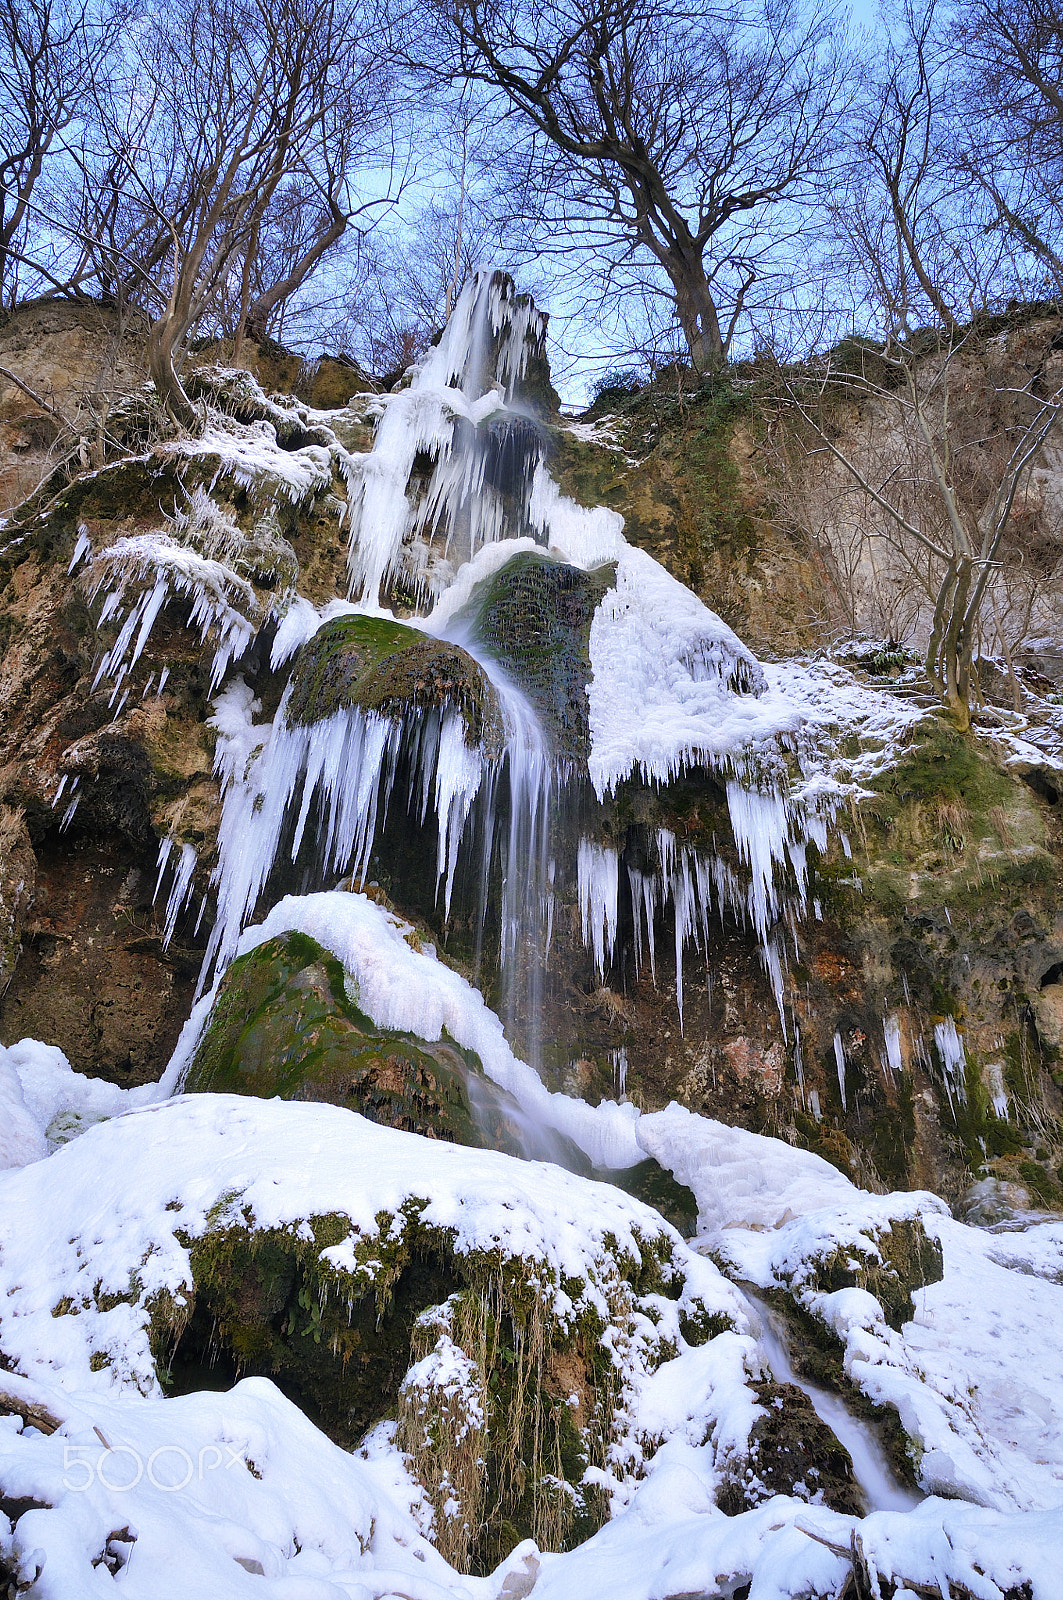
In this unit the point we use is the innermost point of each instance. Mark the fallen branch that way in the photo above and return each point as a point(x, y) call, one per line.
point(861, 1587)
point(31, 1412)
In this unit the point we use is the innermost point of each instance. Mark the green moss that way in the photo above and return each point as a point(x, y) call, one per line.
point(652, 1183)
point(267, 1304)
point(286, 1023)
point(791, 1451)
point(891, 1135)
point(385, 667)
point(942, 765)
point(1043, 1184)
point(907, 1259)
point(534, 615)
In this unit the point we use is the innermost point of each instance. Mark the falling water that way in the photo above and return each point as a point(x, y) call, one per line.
point(456, 467)
point(875, 1478)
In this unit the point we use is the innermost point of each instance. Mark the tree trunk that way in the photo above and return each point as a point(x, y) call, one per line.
point(951, 647)
point(697, 314)
point(162, 337)
point(256, 321)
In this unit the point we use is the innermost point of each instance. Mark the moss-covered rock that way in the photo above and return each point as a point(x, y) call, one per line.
point(793, 1452)
point(383, 666)
point(286, 1023)
point(508, 1316)
point(534, 615)
point(892, 1265)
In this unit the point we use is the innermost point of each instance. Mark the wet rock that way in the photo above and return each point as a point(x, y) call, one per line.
point(792, 1452)
point(534, 615)
point(993, 1201)
point(286, 1022)
point(383, 666)
point(1048, 1013)
point(92, 974)
point(890, 1263)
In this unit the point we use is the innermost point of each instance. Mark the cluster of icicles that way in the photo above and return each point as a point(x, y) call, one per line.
point(337, 777)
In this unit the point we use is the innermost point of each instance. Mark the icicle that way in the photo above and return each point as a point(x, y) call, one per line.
point(180, 889)
point(598, 877)
point(993, 1076)
point(761, 826)
point(274, 776)
point(465, 383)
point(893, 1062)
point(458, 775)
point(839, 1057)
point(953, 1058)
point(81, 549)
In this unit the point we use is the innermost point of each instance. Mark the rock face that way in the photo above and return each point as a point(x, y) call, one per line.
point(792, 1452)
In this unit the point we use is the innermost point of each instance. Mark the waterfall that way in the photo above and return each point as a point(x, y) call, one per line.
point(460, 413)
point(453, 490)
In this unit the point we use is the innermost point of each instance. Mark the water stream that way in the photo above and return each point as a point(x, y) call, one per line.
point(875, 1478)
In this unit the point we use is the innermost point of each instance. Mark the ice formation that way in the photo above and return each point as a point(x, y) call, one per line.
point(704, 701)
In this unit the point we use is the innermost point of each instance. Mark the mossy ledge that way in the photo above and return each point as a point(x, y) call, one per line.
point(346, 1322)
point(373, 664)
point(286, 1022)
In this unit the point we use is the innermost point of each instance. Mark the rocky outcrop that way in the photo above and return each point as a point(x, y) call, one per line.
point(922, 1035)
point(375, 665)
point(286, 1022)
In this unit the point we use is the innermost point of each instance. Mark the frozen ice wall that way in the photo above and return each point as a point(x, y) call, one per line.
point(454, 487)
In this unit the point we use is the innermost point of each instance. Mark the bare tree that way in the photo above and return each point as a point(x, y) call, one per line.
point(53, 54)
point(234, 110)
point(663, 136)
point(1010, 139)
point(948, 475)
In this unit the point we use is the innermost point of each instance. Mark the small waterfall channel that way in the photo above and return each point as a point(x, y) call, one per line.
point(875, 1478)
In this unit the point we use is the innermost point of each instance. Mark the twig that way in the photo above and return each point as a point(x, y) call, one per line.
point(39, 398)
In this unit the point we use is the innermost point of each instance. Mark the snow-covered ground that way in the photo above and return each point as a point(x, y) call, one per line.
point(239, 1494)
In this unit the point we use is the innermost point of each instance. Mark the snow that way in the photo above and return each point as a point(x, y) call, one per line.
point(21, 1136)
point(270, 1507)
point(78, 1226)
point(157, 567)
point(401, 987)
point(941, 1542)
point(452, 394)
point(248, 453)
point(741, 1179)
point(985, 1428)
point(238, 1493)
point(205, 1482)
point(114, 1201)
point(44, 1102)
